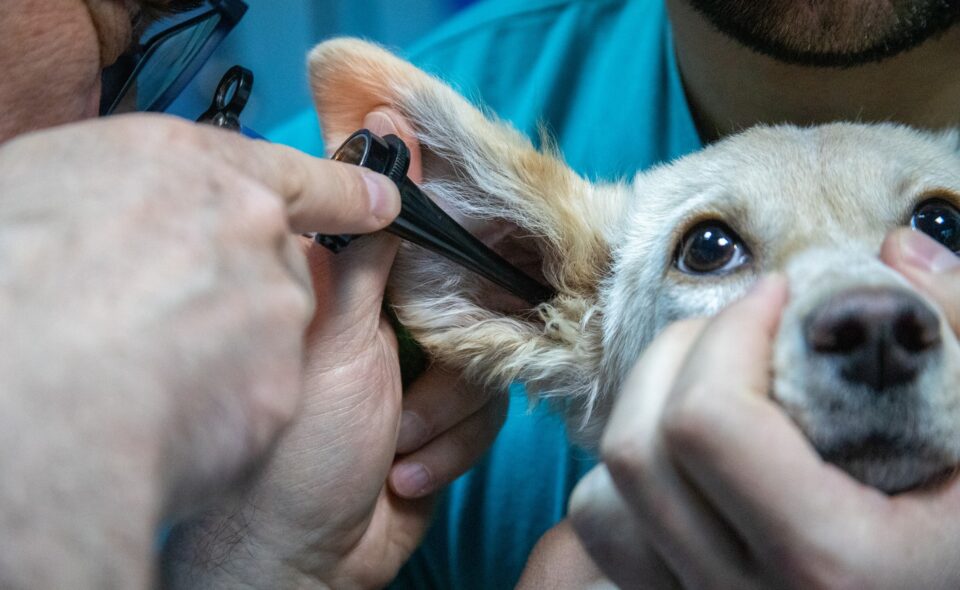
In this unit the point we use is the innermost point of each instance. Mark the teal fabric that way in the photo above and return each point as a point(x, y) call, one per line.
point(601, 76)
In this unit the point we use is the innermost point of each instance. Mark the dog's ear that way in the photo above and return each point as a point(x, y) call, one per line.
point(483, 170)
point(472, 163)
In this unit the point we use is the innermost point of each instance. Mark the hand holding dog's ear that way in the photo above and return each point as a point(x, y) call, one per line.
point(928, 265)
point(322, 512)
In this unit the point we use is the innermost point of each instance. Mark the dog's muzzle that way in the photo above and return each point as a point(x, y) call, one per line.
point(878, 337)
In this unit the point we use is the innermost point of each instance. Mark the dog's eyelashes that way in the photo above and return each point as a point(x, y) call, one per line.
point(940, 220)
point(711, 247)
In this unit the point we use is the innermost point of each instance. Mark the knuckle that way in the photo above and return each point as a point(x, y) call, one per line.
point(627, 456)
point(287, 171)
point(586, 505)
point(348, 182)
point(269, 211)
point(245, 204)
point(684, 423)
point(299, 303)
point(165, 132)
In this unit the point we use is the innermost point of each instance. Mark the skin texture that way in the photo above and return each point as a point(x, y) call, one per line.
point(181, 418)
point(181, 239)
point(334, 523)
point(42, 41)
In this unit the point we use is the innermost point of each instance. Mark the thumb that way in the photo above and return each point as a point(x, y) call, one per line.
point(350, 285)
point(932, 268)
point(368, 261)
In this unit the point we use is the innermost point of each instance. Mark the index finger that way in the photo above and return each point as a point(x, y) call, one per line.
point(321, 195)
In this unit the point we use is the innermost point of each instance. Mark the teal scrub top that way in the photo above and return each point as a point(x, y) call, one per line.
point(601, 75)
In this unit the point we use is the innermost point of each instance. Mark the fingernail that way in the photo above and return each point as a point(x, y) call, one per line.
point(413, 430)
point(922, 251)
point(411, 480)
point(384, 196)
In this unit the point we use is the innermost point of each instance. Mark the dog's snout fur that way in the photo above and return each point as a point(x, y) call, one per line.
point(878, 337)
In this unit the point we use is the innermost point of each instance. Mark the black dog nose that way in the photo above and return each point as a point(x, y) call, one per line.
point(879, 337)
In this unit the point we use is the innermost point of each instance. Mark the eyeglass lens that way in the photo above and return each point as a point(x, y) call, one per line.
point(169, 59)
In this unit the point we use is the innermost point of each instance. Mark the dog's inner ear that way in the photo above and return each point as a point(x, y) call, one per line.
point(503, 227)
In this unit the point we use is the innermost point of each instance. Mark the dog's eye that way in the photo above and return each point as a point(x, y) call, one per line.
point(940, 220)
point(711, 247)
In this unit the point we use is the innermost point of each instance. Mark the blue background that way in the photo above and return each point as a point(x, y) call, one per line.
point(274, 36)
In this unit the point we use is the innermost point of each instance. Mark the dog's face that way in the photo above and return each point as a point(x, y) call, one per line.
point(864, 364)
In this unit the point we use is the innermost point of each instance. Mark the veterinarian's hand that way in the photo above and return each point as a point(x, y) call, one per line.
point(154, 303)
point(929, 266)
point(446, 424)
point(323, 511)
point(559, 562)
point(707, 484)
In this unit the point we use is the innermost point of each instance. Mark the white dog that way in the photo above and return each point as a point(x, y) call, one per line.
point(864, 364)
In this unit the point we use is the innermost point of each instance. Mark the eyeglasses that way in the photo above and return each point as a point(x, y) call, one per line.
point(159, 69)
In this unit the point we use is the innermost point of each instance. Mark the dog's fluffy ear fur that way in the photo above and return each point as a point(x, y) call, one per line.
point(484, 170)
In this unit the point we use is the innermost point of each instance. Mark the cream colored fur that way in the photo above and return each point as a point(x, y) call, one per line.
point(812, 202)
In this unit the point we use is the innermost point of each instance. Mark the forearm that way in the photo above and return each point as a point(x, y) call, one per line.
point(220, 550)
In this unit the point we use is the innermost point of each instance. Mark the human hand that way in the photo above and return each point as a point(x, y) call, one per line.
point(154, 303)
point(707, 484)
point(932, 269)
point(322, 513)
point(559, 561)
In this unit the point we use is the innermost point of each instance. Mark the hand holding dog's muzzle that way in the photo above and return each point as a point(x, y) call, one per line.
point(723, 486)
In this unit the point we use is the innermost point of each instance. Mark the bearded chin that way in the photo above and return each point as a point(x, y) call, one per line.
point(830, 33)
